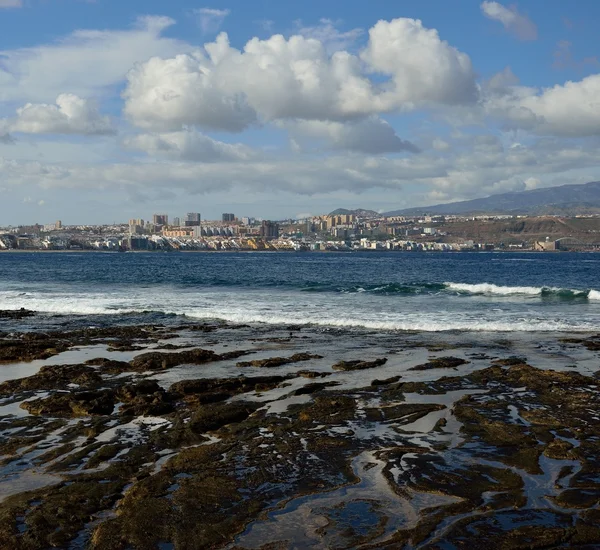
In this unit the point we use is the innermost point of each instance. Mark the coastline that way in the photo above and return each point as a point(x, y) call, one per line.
point(363, 434)
point(367, 251)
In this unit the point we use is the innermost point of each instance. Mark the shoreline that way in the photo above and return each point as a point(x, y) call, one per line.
point(368, 251)
point(30, 318)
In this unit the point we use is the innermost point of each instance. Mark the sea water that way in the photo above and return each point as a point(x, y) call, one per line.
point(427, 292)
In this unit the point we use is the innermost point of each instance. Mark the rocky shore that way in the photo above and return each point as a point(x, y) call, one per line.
point(191, 436)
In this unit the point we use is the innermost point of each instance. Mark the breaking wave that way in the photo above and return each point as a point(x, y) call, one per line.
point(593, 295)
point(459, 289)
point(423, 312)
point(489, 289)
point(383, 289)
point(422, 323)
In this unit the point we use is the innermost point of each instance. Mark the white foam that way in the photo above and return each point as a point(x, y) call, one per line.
point(73, 304)
point(401, 323)
point(593, 295)
point(495, 290)
point(131, 432)
point(428, 313)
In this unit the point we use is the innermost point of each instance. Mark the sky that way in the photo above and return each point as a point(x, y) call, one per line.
point(112, 109)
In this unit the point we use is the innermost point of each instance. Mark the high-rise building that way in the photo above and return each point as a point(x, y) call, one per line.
point(160, 219)
point(58, 225)
point(176, 222)
point(192, 219)
point(269, 230)
point(134, 228)
point(227, 217)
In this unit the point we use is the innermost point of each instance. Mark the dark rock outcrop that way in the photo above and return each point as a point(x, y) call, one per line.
point(213, 417)
point(278, 361)
point(159, 361)
point(441, 363)
point(53, 377)
point(16, 314)
point(359, 365)
point(72, 404)
point(214, 390)
point(145, 398)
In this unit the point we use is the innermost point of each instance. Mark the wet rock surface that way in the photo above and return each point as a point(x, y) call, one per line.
point(359, 364)
point(52, 377)
point(158, 361)
point(29, 346)
point(441, 363)
point(16, 314)
point(177, 447)
point(278, 361)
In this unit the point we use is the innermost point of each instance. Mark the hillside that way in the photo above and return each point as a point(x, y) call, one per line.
point(530, 230)
point(565, 200)
point(359, 212)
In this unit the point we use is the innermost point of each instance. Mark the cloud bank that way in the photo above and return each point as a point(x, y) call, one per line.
point(222, 88)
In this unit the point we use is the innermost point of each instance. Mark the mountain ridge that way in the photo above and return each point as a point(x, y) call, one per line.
point(563, 199)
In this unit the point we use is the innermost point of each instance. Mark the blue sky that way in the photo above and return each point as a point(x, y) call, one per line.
point(111, 110)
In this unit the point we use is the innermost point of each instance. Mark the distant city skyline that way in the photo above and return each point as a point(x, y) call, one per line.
point(282, 110)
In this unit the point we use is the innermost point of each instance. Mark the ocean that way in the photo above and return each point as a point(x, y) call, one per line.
point(427, 292)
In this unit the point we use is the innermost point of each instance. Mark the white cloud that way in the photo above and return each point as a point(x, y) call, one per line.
point(566, 110)
point(502, 80)
point(210, 19)
point(532, 183)
point(572, 109)
point(227, 89)
point(328, 34)
point(190, 145)
point(514, 22)
point(440, 145)
point(371, 136)
point(479, 166)
point(296, 78)
point(11, 4)
point(70, 115)
point(301, 175)
point(167, 94)
point(85, 63)
point(483, 167)
point(423, 68)
point(266, 24)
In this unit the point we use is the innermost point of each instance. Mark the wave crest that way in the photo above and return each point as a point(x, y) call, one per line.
point(489, 289)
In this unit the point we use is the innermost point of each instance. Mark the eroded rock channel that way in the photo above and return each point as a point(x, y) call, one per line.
point(222, 436)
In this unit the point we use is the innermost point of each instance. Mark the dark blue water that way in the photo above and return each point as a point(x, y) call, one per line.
point(397, 291)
